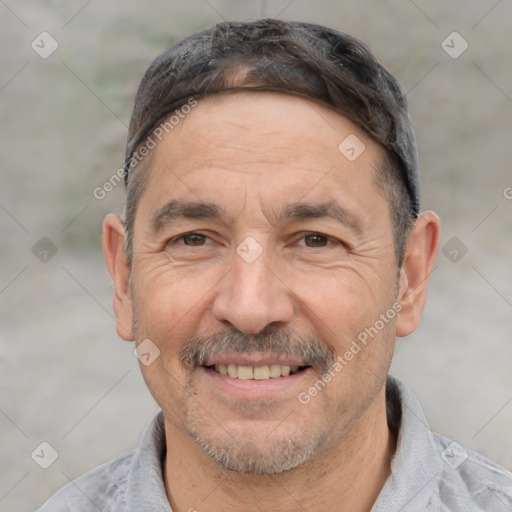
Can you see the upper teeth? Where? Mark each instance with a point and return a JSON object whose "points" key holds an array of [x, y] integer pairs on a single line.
{"points": [[272, 371]]}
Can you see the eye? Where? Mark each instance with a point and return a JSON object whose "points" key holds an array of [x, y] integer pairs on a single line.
{"points": [[194, 246], [315, 240], [192, 239]]}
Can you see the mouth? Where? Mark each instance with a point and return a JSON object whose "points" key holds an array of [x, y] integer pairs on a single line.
{"points": [[265, 372]]}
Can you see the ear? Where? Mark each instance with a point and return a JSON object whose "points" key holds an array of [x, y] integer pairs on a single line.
{"points": [[119, 269], [420, 254]]}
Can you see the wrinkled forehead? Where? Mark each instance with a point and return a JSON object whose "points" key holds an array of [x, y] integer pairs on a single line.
{"points": [[259, 143], [267, 126]]}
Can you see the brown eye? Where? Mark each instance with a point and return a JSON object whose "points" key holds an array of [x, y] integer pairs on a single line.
{"points": [[193, 239], [316, 240]]}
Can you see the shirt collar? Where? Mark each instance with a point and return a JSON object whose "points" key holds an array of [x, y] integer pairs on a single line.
{"points": [[146, 489], [417, 464]]}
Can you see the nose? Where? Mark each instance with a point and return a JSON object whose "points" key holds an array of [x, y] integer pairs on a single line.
{"points": [[252, 296]]}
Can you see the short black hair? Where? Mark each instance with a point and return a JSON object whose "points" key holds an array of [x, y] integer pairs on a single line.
{"points": [[304, 59]]}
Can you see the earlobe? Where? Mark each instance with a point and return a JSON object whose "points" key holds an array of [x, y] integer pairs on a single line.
{"points": [[420, 255], [119, 269]]}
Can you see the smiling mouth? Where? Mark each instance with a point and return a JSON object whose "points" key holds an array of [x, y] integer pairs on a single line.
{"points": [[272, 371]]}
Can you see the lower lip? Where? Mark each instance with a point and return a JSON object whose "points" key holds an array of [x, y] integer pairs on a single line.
{"points": [[252, 388]]}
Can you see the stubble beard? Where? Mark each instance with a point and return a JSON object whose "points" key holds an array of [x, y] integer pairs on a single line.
{"points": [[255, 450]]}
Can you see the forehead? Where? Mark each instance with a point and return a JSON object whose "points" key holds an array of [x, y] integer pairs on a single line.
{"points": [[267, 123], [262, 144]]}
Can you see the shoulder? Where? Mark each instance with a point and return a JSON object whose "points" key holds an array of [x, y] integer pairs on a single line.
{"points": [[434, 474], [471, 480], [129, 482], [103, 488]]}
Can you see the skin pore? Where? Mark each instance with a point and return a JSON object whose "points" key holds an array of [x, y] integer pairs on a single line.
{"points": [[252, 220]]}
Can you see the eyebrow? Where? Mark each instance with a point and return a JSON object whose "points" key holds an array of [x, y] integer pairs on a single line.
{"points": [[178, 209], [328, 210]]}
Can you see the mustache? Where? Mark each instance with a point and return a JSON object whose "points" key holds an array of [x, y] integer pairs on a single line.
{"points": [[314, 352]]}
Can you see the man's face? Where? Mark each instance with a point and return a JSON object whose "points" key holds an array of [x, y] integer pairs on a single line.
{"points": [[293, 241]]}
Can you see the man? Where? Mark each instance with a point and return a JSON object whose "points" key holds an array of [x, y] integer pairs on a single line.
{"points": [[271, 251]]}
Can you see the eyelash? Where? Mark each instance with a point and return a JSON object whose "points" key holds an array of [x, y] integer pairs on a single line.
{"points": [[189, 234], [327, 238]]}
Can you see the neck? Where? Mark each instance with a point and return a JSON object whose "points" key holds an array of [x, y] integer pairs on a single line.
{"points": [[345, 477]]}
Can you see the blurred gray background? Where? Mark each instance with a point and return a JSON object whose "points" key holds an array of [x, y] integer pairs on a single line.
{"points": [[66, 378]]}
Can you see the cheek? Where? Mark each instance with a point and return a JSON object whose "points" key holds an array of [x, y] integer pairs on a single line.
{"points": [[340, 302], [169, 302], [166, 312], [170, 306]]}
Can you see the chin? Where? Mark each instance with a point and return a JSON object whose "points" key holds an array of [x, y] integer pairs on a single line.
{"points": [[266, 457], [258, 447]]}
